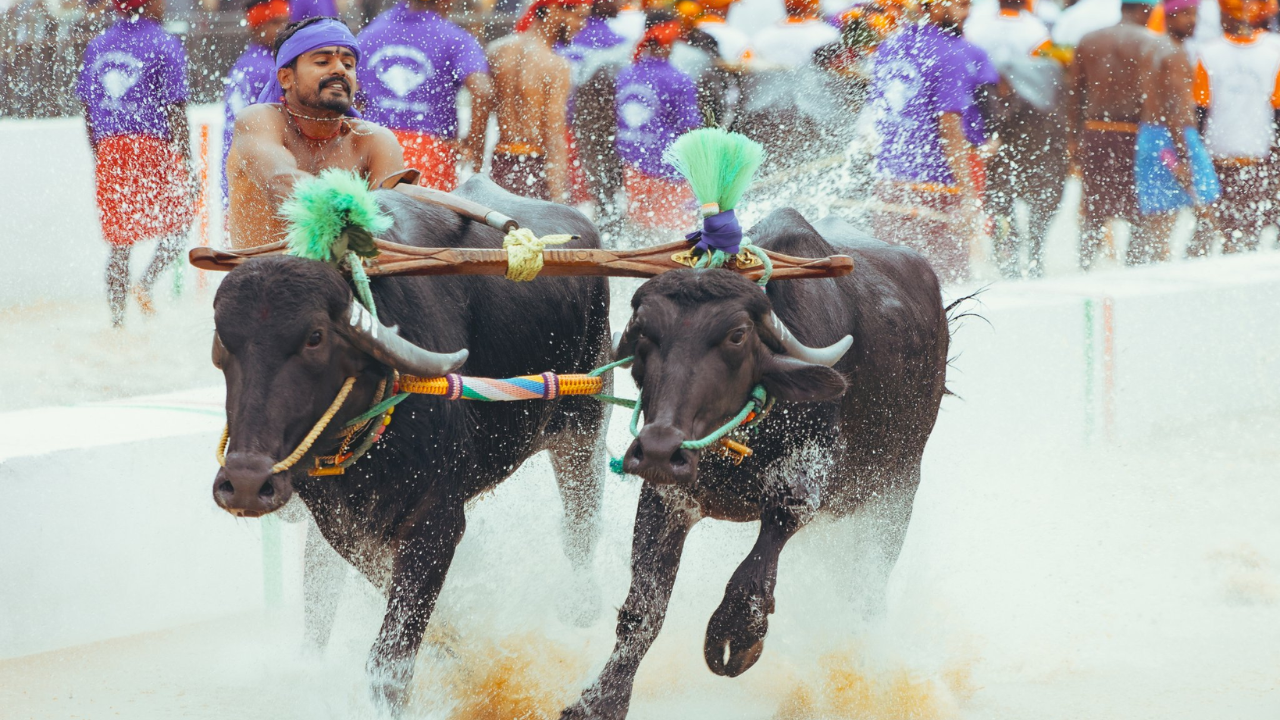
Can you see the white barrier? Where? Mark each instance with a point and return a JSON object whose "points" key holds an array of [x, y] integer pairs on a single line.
{"points": [[108, 528]]}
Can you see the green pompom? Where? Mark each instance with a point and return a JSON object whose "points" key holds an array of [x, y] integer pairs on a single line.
{"points": [[331, 215], [718, 164], [615, 466]]}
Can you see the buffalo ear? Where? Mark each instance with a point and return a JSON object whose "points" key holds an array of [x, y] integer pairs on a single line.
{"points": [[624, 343], [789, 379]]}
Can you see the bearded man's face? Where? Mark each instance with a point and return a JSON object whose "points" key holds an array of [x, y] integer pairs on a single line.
{"points": [[323, 79]]}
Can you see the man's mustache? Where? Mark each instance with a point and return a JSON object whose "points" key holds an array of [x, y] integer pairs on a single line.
{"points": [[346, 84]]}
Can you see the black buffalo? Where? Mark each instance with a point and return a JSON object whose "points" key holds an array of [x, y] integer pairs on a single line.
{"points": [[839, 437], [288, 335]]}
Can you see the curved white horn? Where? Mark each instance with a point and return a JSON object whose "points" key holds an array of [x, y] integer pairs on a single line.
{"points": [[827, 356], [385, 344]]}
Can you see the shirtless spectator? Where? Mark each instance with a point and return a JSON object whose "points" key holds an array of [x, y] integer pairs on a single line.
{"points": [[531, 96], [304, 125], [1114, 69]]}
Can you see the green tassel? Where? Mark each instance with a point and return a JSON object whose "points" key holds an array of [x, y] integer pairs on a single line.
{"points": [[331, 215], [615, 466], [718, 164]]}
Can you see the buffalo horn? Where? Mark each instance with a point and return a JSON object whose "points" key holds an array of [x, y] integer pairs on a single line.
{"points": [[827, 356], [385, 344]]}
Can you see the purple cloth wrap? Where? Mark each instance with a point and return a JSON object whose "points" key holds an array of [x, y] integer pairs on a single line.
{"points": [[326, 33], [719, 232]]}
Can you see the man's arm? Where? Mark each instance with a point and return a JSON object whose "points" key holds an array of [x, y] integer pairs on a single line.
{"points": [[553, 129], [385, 156], [481, 89], [1076, 84], [179, 132], [88, 128], [258, 147], [956, 148]]}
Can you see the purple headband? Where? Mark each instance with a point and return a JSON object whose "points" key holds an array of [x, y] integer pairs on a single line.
{"points": [[719, 232], [1173, 6], [326, 33]]}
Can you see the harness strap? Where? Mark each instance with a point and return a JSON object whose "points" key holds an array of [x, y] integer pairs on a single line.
{"points": [[307, 442]]}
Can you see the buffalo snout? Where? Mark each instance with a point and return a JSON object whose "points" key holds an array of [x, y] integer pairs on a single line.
{"points": [[656, 455], [246, 487]]}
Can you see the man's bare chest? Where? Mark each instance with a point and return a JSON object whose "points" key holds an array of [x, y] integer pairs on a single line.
{"points": [[313, 156]]}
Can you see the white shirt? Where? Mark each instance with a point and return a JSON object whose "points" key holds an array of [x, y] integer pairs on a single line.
{"points": [[791, 44], [1083, 18], [1006, 37], [735, 45], [629, 24], [1244, 93]]}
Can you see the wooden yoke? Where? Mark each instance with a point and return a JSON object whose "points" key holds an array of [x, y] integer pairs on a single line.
{"points": [[398, 259]]}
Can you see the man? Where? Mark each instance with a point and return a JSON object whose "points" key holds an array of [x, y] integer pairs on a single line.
{"points": [[133, 87], [1238, 91], [920, 93], [790, 43], [531, 95], [302, 126], [1114, 70], [415, 63], [1030, 164], [253, 70], [1180, 20], [656, 103]]}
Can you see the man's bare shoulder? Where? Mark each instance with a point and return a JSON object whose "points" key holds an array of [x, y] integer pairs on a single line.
{"points": [[262, 117], [366, 130]]}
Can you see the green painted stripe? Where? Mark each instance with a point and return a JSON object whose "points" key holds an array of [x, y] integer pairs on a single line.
{"points": [[272, 563], [1089, 353]]}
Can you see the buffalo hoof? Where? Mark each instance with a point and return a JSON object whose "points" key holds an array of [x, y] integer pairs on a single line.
{"points": [[599, 704], [580, 605], [735, 635]]}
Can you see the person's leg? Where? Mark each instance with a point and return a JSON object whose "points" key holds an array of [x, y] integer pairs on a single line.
{"points": [[1149, 239], [118, 282], [168, 249]]}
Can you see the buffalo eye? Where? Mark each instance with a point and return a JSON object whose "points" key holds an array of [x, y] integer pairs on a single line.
{"points": [[315, 339], [737, 336]]}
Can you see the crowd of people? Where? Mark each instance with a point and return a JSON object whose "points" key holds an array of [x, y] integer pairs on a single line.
{"points": [[974, 110]]}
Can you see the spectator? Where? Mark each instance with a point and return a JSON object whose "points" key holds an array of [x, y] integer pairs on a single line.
{"points": [[791, 42], [253, 70], [415, 62], [656, 103], [920, 92], [1238, 91], [133, 87]]}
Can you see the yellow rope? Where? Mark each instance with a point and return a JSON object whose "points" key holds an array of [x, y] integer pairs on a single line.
{"points": [[424, 386], [524, 252], [307, 442]]}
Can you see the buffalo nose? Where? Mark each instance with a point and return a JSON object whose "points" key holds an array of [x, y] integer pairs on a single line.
{"points": [[246, 486], [656, 455]]}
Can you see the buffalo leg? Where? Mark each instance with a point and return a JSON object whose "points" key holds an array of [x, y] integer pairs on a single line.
{"points": [[735, 635], [663, 521], [579, 468], [421, 561]]}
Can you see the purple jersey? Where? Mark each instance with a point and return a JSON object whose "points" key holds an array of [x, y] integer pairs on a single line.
{"points": [[919, 74], [656, 103], [131, 74], [981, 72], [413, 63], [303, 9], [251, 73], [595, 35]]}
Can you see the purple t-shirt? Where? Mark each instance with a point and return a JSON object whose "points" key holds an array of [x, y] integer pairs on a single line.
{"points": [[412, 65], [303, 9], [252, 71], [919, 74], [656, 103], [131, 73], [595, 35], [981, 72]]}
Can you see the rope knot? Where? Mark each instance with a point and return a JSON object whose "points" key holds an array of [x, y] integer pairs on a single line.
{"points": [[524, 252]]}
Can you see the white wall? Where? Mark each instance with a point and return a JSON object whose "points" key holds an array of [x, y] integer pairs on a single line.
{"points": [[52, 241]]}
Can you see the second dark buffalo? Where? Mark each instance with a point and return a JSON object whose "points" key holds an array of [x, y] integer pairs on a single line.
{"points": [[840, 438]]}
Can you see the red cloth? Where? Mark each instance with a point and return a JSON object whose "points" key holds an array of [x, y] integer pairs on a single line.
{"points": [[127, 6], [526, 20], [656, 203], [264, 12], [664, 34], [143, 189], [435, 157]]}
